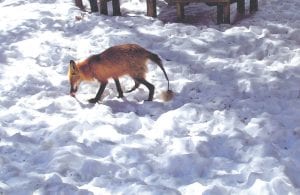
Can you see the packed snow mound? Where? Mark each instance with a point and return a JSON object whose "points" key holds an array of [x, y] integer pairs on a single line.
{"points": [[232, 127]]}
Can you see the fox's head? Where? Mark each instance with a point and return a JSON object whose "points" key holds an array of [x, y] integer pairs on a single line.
{"points": [[74, 78]]}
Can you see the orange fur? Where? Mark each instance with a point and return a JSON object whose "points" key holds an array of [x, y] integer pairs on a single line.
{"points": [[115, 62], [128, 59]]}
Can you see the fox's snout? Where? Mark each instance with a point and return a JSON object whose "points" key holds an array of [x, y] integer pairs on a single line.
{"points": [[72, 94], [73, 91], [74, 78]]}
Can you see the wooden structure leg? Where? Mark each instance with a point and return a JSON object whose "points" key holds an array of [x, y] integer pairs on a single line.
{"points": [[223, 13], [151, 8], [220, 13], [180, 11], [116, 7], [79, 4], [226, 12], [253, 5], [241, 7], [94, 5], [103, 7]]}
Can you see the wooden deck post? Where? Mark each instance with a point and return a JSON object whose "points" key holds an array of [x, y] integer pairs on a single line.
{"points": [[79, 4], [223, 13], [103, 7], [226, 13], [180, 11], [220, 13], [253, 5], [116, 7], [94, 5], [151, 8], [241, 7]]}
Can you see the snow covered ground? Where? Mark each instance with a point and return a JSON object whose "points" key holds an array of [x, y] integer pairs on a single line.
{"points": [[232, 128]]}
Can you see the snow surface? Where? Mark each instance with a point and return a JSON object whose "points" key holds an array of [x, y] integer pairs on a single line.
{"points": [[232, 128]]}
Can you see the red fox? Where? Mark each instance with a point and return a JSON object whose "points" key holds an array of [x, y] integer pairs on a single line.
{"points": [[114, 62]]}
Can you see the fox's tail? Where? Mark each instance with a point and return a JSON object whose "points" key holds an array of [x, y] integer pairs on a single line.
{"points": [[153, 57], [166, 96]]}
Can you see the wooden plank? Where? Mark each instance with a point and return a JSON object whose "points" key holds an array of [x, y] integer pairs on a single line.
{"points": [[116, 7], [94, 5], [201, 1], [103, 7], [151, 8]]}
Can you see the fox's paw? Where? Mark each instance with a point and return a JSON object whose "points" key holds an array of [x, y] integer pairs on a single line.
{"points": [[120, 96], [93, 100]]}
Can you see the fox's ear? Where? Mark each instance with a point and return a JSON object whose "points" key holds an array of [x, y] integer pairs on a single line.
{"points": [[73, 66]]}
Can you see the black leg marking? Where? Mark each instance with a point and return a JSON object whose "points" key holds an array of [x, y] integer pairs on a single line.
{"points": [[99, 93], [119, 88], [136, 85], [149, 86]]}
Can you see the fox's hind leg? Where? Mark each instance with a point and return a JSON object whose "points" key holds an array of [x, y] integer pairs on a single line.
{"points": [[99, 93], [136, 85], [148, 85], [119, 88]]}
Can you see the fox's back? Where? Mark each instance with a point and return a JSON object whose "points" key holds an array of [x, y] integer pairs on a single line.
{"points": [[124, 54], [120, 60]]}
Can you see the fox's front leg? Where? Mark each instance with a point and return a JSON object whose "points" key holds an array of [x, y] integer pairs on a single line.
{"points": [[120, 91], [99, 93]]}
